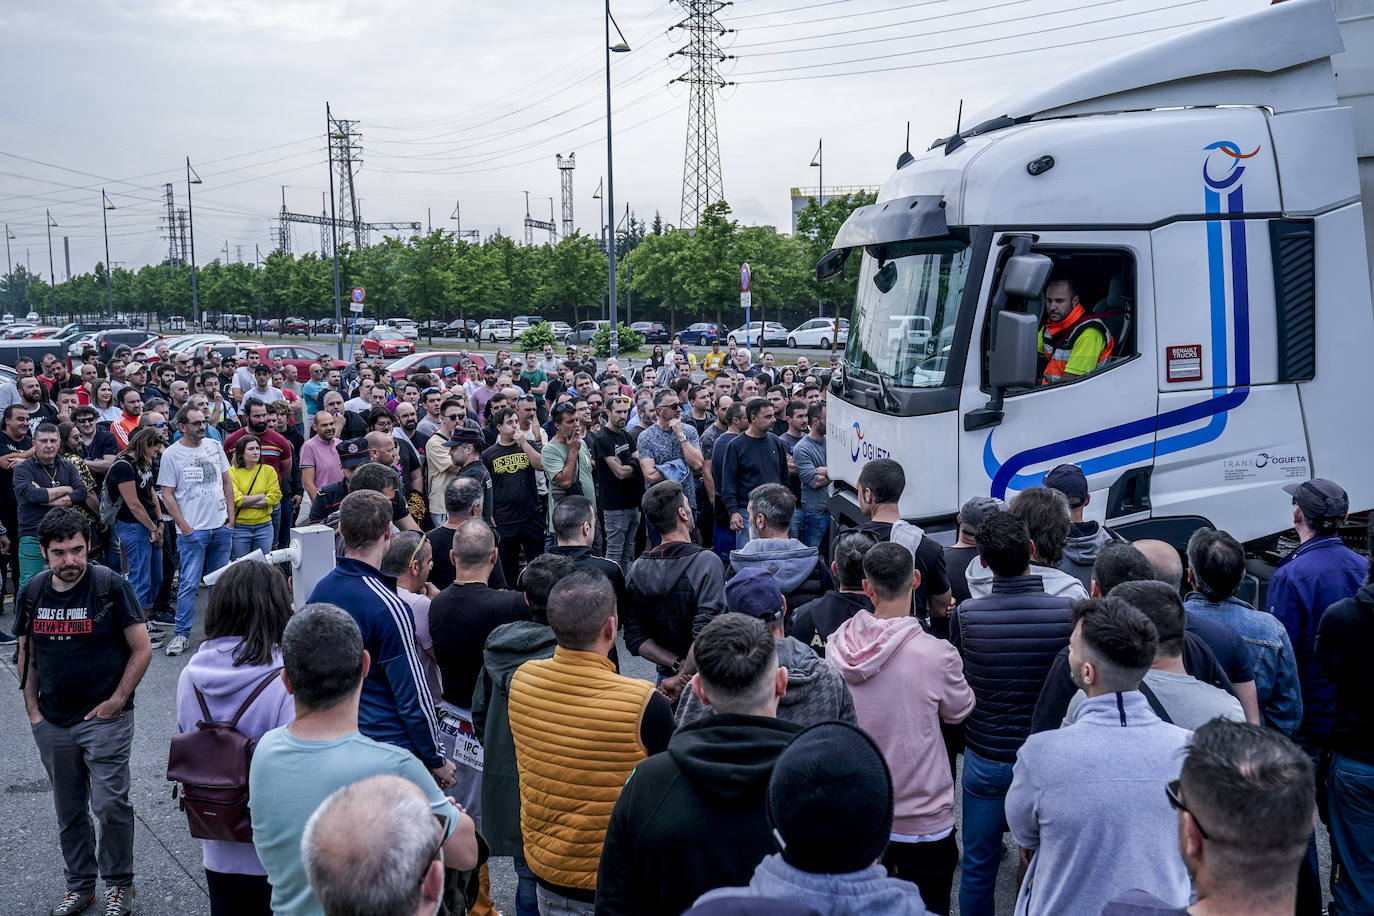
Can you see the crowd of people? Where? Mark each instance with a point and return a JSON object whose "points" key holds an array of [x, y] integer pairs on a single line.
{"points": [[1153, 738]]}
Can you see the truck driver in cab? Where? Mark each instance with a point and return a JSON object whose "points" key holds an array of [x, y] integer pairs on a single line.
{"points": [[1073, 341]]}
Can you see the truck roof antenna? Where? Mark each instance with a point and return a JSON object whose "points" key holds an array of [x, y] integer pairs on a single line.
{"points": [[958, 119], [906, 156]]}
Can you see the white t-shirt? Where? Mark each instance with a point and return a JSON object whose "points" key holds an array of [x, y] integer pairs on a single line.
{"points": [[244, 379], [196, 474], [267, 397]]}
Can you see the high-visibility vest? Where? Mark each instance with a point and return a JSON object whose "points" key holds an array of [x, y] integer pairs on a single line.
{"points": [[1058, 337]]}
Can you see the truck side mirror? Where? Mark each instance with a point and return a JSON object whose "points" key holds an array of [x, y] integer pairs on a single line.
{"points": [[1025, 275], [831, 264], [1013, 361]]}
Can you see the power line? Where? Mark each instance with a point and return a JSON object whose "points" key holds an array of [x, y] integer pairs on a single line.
{"points": [[963, 60]]}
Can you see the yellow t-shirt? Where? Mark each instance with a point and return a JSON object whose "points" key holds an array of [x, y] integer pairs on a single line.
{"points": [[712, 362]]}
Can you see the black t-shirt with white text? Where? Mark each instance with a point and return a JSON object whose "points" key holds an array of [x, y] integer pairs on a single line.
{"points": [[124, 471], [81, 653]]}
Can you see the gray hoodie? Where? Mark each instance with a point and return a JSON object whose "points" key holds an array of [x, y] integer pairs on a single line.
{"points": [[1080, 553], [1055, 581], [858, 893], [1089, 800], [815, 690]]}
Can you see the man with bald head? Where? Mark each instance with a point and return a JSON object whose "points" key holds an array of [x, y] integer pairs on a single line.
{"points": [[1231, 652], [365, 844]]}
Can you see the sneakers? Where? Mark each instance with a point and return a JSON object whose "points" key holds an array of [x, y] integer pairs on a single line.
{"points": [[8, 639], [119, 900], [177, 645], [74, 902], [161, 620], [156, 637]]}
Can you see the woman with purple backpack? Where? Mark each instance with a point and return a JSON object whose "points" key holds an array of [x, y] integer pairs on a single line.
{"points": [[236, 672]]}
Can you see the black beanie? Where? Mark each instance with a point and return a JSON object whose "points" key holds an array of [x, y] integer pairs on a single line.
{"points": [[830, 800]]}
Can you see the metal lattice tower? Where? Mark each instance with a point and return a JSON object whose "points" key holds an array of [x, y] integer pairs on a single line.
{"points": [[285, 218], [173, 249], [702, 182], [183, 221], [565, 171], [283, 226], [346, 150], [532, 224]]}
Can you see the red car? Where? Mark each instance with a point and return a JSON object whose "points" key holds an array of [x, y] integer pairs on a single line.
{"points": [[291, 355], [430, 362], [387, 343]]}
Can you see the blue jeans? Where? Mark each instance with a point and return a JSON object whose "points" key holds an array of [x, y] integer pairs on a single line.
{"points": [[813, 527], [526, 897], [247, 538], [985, 820], [144, 562], [1350, 802], [201, 550]]}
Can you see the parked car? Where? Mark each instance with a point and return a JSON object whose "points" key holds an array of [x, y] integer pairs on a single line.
{"points": [[528, 320], [655, 332], [17, 331], [361, 325], [561, 330], [387, 343], [699, 334], [773, 333], [403, 326], [106, 342], [40, 333], [460, 328], [818, 332], [296, 326], [188, 343], [585, 331], [325, 326], [431, 361], [291, 355], [494, 329]]}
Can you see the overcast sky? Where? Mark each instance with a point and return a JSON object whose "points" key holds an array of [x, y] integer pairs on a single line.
{"points": [[472, 101]]}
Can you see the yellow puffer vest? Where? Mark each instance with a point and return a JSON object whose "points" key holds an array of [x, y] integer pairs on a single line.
{"points": [[575, 723]]}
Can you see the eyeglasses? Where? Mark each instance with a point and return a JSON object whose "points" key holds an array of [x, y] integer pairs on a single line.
{"points": [[436, 852], [416, 555], [675, 405], [85, 419], [1171, 790], [564, 409], [164, 425], [453, 417]]}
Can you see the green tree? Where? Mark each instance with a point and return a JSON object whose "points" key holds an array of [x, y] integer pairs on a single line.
{"points": [[817, 227], [709, 267], [652, 273], [573, 275], [426, 282]]}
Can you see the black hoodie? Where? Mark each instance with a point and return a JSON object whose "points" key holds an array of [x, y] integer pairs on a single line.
{"points": [[1345, 642], [692, 819]]}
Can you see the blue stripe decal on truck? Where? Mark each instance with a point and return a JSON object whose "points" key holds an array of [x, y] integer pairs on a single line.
{"points": [[1005, 476]]}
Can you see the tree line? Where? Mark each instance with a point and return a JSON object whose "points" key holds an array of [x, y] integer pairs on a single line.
{"points": [[674, 276]]}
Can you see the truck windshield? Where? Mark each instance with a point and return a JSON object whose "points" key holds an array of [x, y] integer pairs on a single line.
{"points": [[906, 310]]}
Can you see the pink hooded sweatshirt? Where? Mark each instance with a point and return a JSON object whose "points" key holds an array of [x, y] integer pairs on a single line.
{"points": [[905, 682]]}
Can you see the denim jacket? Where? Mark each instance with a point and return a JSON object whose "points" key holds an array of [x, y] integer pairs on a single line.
{"points": [[1276, 666]]}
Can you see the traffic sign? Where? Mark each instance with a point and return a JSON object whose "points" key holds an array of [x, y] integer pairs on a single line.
{"points": [[745, 300], [356, 307], [358, 294], [745, 276]]}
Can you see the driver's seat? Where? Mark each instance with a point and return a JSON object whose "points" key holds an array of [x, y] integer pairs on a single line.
{"points": [[1115, 311]]}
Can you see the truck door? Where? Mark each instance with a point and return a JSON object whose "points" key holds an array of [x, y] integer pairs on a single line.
{"points": [[1102, 420]]}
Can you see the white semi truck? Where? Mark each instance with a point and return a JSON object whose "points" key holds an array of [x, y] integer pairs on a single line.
{"points": [[1204, 196]]}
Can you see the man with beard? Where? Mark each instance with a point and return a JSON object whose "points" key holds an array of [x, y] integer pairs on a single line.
{"points": [[281, 419], [319, 459], [83, 650], [277, 452], [31, 399]]}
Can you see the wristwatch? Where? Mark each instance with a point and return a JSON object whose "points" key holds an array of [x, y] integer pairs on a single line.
{"points": [[676, 666]]}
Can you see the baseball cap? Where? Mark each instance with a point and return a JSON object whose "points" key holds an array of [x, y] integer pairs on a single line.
{"points": [[465, 435], [1069, 480], [352, 452], [263, 368], [755, 592], [131, 368], [449, 370], [977, 509], [1319, 498]]}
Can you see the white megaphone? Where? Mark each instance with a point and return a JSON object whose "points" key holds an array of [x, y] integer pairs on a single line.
{"points": [[310, 553]]}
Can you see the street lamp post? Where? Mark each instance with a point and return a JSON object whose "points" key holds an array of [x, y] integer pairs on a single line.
{"points": [[52, 272], [105, 222], [9, 276], [820, 202], [191, 222], [620, 48]]}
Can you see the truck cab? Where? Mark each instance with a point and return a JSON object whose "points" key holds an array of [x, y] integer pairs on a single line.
{"points": [[1202, 199]]}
